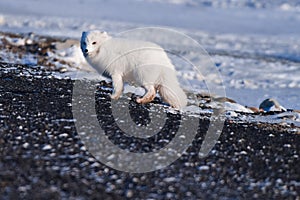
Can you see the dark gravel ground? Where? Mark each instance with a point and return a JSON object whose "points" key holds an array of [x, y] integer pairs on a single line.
{"points": [[42, 156]]}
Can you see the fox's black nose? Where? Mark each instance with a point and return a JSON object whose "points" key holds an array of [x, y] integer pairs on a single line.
{"points": [[86, 50]]}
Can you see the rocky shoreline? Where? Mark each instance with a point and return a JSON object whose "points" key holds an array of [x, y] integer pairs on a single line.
{"points": [[42, 155]]}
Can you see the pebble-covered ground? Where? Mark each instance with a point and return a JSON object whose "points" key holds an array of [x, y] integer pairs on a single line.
{"points": [[42, 156]]}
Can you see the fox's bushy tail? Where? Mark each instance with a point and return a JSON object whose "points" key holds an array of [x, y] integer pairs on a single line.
{"points": [[172, 93]]}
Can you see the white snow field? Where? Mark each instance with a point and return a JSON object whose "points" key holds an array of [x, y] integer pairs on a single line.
{"points": [[254, 44]]}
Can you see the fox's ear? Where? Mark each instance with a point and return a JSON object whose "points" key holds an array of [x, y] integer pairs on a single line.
{"points": [[104, 32]]}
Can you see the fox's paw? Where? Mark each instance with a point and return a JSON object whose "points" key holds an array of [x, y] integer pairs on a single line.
{"points": [[139, 100], [144, 99], [115, 96]]}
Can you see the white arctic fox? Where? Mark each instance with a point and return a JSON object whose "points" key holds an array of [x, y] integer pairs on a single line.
{"points": [[138, 62]]}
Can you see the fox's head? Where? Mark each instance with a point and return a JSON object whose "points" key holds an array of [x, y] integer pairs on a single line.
{"points": [[91, 42]]}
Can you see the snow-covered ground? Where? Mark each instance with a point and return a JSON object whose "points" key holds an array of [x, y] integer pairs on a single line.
{"points": [[255, 44]]}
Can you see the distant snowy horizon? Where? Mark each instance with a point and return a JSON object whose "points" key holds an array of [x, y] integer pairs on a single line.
{"points": [[255, 4], [213, 16]]}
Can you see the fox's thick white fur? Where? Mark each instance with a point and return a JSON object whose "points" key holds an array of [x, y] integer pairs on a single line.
{"points": [[138, 62]]}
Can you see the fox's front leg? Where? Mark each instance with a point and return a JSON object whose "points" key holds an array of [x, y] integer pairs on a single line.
{"points": [[118, 86]]}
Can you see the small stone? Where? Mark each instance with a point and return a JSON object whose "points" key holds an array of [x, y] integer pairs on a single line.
{"points": [[22, 189], [25, 145], [47, 147], [129, 193], [110, 157], [203, 168], [169, 179], [243, 153], [63, 135]]}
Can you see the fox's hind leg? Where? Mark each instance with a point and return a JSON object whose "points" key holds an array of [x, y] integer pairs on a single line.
{"points": [[149, 95]]}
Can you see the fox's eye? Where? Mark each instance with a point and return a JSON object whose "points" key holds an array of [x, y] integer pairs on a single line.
{"points": [[94, 43]]}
